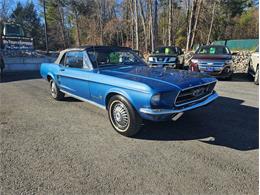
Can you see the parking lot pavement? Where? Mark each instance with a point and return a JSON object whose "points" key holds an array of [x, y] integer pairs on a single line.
{"points": [[70, 147]]}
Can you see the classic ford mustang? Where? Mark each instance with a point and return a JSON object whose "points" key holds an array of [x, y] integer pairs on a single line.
{"points": [[118, 80]]}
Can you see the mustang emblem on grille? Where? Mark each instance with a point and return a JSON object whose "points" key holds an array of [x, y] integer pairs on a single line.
{"points": [[198, 92]]}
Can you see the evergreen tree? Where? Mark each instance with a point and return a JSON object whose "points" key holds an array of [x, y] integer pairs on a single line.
{"points": [[28, 18]]}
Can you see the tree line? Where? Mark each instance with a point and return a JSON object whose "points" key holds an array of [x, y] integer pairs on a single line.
{"points": [[140, 24]]}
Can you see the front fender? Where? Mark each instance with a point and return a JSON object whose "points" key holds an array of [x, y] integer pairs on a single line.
{"points": [[120, 92], [49, 69], [136, 98], [51, 75]]}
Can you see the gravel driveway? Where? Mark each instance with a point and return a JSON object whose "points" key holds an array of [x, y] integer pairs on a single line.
{"points": [[51, 147]]}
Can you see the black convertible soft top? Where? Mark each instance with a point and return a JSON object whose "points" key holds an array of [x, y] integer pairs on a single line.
{"points": [[91, 48]]}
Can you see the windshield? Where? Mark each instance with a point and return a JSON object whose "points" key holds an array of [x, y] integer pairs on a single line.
{"points": [[165, 50], [13, 30], [111, 57], [213, 50]]}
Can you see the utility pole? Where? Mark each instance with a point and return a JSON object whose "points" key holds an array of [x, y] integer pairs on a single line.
{"points": [[45, 27]]}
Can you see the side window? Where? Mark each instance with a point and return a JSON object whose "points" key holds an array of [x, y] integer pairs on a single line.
{"points": [[74, 59], [86, 61], [227, 51], [62, 60]]}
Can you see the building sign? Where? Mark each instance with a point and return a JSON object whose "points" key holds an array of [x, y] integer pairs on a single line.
{"points": [[17, 43]]}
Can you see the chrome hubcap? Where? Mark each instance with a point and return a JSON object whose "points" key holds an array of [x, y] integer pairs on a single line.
{"points": [[119, 115], [53, 89]]}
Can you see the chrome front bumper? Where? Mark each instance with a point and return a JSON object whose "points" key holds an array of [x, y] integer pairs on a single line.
{"points": [[218, 71], [157, 112], [161, 65]]}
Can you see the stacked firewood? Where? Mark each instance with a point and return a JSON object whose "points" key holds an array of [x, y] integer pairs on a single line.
{"points": [[240, 60]]}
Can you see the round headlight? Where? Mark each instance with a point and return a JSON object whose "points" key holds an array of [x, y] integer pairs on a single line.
{"points": [[150, 59], [155, 99]]}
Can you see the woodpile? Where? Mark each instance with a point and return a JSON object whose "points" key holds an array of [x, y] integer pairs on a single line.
{"points": [[240, 60]]}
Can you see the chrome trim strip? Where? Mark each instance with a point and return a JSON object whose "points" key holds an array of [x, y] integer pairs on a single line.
{"points": [[198, 85], [84, 100], [172, 111]]}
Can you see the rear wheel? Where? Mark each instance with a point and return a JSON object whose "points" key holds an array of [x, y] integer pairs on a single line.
{"points": [[55, 91], [123, 116]]}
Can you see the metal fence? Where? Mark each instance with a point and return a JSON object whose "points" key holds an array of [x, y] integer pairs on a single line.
{"points": [[239, 44]]}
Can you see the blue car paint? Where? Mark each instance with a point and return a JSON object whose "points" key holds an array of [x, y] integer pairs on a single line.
{"points": [[137, 83]]}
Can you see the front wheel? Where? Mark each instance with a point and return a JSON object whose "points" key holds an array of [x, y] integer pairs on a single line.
{"points": [[55, 91], [123, 116]]}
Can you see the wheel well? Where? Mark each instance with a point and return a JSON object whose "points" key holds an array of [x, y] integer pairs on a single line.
{"points": [[49, 78], [109, 96]]}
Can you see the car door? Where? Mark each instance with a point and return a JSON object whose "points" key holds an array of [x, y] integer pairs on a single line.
{"points": [[73, 76]]}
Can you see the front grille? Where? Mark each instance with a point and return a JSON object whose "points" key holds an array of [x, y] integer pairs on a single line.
{"points": [[191, 95], [160, 59], [214, 67]]}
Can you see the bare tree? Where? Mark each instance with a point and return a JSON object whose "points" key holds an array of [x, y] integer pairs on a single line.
{"points": [[62, 23], [196, 23], [151, 24], [155, 23], [45, 27], [143, 23], [100, 4], [136, 26], [4, 10], [191, 24], [170, 22], [212, 20]]}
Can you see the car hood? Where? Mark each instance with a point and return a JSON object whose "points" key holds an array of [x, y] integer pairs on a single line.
{"points": [[212, 57], [158, 78]]}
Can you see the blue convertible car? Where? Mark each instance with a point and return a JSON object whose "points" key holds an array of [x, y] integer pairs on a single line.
{"points": [[118, 80]]}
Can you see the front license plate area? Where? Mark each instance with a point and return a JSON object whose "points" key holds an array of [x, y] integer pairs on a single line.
{"points": [[209, 69]]}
